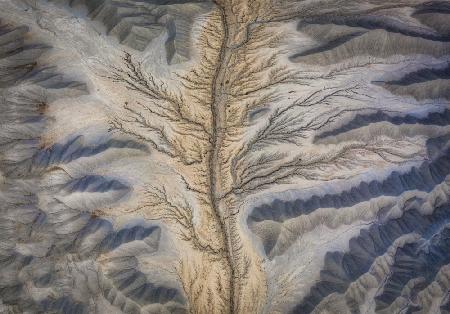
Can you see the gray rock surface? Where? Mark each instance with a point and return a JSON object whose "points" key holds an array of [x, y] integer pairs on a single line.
{"points": [[135, 23], [224, 157]]}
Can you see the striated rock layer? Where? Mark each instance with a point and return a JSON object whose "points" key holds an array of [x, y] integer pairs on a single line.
{"points": [[227, 156]]}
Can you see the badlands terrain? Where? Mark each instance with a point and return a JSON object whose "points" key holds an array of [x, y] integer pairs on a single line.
{"points": [[226, 156]]}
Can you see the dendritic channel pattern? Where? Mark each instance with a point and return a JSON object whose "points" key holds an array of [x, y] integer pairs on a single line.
{"points": [[226, 156]]}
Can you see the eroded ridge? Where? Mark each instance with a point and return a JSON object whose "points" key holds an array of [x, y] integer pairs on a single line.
{"points": [[58, 255], [297, 163], [137, 23]]}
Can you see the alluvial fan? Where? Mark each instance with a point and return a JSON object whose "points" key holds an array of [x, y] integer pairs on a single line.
{"points": [[224, 156]]}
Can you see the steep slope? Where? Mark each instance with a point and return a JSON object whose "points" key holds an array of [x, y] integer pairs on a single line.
{"points": [[296, 161], [137, 23]]}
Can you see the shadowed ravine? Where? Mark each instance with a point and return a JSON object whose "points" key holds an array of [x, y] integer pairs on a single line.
{"points": [[226, 156]]}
